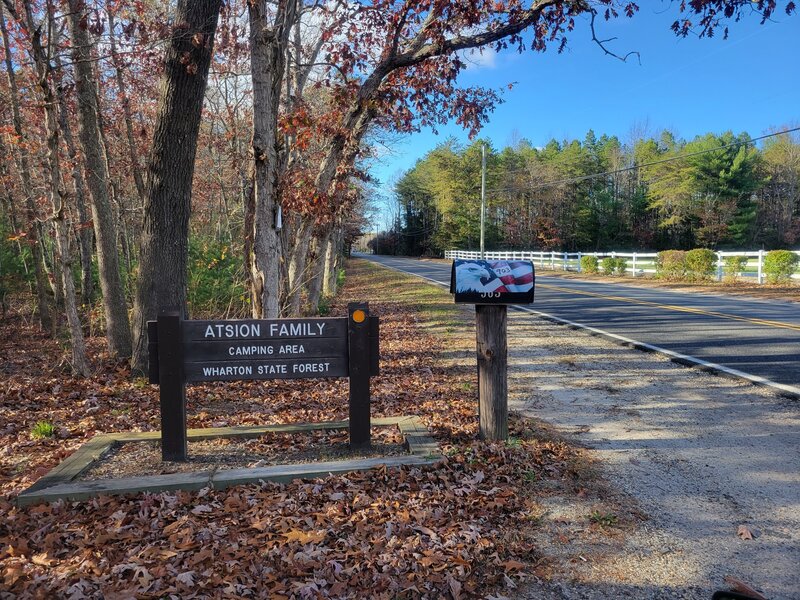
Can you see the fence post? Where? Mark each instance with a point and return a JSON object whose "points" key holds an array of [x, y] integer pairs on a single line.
{"points": [[552, 260], [760, 266], [719, 266], [579, 262], [565, 262], [633, 265]]}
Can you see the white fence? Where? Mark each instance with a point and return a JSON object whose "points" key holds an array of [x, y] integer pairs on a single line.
{"points": [[638, 263]]}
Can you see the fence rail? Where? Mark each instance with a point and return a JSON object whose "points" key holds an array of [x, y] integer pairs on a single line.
{"points": [[638, 263]]}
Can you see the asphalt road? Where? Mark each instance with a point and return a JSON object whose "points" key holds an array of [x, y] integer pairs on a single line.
{"points": [[760, 338]]}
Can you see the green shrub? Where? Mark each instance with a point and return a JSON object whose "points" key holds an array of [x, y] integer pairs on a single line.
{"points": [[700, 263], [13, 257], [733, 266], [609, 265], [43, 429], [780, 265], [589, 264], [324, 306], [621, 267], [217, 285], [671, 264]]}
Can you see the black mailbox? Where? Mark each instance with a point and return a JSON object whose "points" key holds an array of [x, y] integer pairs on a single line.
{"points": [[492, 281]]}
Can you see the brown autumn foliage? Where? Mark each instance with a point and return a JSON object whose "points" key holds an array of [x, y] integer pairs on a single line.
{"points": [[457, 529]]}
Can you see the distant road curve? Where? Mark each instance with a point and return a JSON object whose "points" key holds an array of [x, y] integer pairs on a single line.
{"points": [[758, 340]]}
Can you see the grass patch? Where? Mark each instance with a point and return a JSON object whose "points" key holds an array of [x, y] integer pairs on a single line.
{"points": [[603, 519], [43, 429]]}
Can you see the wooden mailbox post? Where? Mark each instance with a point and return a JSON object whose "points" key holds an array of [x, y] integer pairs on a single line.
{"points": [[183, 351], [491, 286]]}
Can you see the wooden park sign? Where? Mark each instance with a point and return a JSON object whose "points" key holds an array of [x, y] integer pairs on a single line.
{"points": [[185, 351]]}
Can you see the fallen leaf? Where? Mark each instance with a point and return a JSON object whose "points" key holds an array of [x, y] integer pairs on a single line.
{"points": [[305, 537], [744, 532], [186, 578], [41, 559], [512, 565], [455, 587]]}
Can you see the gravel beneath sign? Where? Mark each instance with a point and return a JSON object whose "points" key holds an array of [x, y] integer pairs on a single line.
{"points": [[711, 462], [136, 459]]}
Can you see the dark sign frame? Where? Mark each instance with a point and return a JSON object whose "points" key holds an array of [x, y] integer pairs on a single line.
{"points": [[189, 351]]}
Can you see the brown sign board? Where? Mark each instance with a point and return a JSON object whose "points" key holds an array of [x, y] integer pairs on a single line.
{"points": [[183, 351]]}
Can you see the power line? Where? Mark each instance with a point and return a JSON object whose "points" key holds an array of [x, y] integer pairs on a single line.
{"points": [[650, 164]]}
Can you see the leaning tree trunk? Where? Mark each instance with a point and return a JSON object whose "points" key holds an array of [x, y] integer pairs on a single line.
{"points": [[165, 233], [39, 271], [118, 329], [267, 60]]}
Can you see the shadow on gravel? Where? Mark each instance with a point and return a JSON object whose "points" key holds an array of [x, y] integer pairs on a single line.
{"points": [[604, 591]]}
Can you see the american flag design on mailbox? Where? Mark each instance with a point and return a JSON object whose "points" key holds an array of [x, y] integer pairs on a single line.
{"points": [[492, 281]]}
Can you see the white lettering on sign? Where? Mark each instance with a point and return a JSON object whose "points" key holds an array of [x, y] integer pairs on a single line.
{"points": [[227, 371], [250, 350], [231, 330], [292, 349], [305, 329], [279, 369], [311, 367]]}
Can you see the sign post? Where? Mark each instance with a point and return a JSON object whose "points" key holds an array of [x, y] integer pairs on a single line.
{"points": [[359, 351], [491, 286], [184, 352], [172, 387], [492, 349]]}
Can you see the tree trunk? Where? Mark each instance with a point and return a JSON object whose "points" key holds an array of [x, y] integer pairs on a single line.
{"points": [[267, 60], [62, 257], [84, 232], [40, 273], [319, 261], [299, 267], [329, 273], [118, 329], [165, 234], [126, 109]]}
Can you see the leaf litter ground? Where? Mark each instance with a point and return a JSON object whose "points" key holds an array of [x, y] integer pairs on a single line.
{"points": [[464, 528]]}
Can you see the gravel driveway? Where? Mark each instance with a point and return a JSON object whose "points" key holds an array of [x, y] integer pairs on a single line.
{"points": [[708, 460]]}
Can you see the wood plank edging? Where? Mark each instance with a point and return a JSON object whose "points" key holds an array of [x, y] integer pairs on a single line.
{"points": [[58, 482]]}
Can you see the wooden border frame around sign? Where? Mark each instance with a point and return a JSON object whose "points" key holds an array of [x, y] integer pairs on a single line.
{"points": [[60, 484]]}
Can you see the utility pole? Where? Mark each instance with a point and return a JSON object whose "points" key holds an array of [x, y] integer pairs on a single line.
{"points": [[483, 199]]}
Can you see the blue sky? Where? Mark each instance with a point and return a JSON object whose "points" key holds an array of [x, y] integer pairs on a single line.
{"points": [[750, 82]]}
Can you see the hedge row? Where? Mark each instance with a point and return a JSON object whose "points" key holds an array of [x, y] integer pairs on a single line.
{"points": [[699, 265]]}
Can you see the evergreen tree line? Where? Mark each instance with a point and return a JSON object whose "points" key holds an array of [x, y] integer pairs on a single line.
{"points": [[719, 191]]}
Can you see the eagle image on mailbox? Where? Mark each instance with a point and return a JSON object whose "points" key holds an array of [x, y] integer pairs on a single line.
{"points": [[492, 281]]}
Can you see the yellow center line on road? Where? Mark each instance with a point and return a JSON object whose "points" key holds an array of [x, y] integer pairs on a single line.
{"points": [[686, 309]]}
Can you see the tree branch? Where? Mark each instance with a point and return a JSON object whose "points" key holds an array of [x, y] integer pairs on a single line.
{"points": [[602, 43]]}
